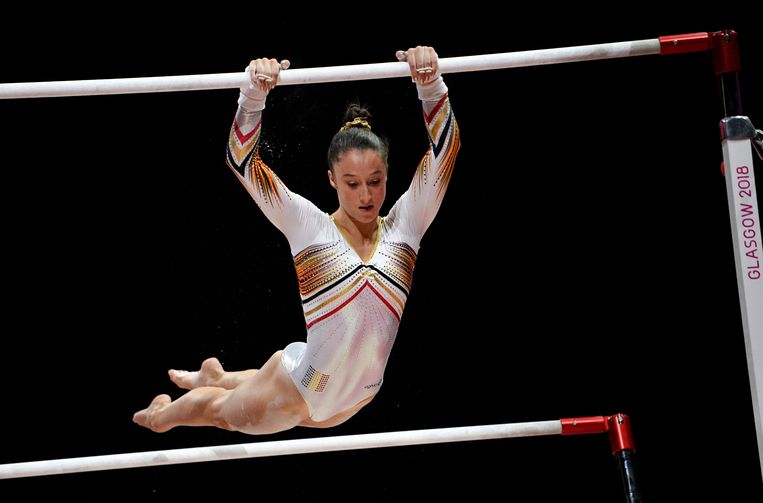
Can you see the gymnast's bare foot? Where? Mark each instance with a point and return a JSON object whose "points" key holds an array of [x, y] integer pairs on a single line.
{"points": [[210, 374], [149, 417]]}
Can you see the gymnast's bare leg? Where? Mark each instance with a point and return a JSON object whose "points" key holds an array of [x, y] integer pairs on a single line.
{"points": [[264, 401]]}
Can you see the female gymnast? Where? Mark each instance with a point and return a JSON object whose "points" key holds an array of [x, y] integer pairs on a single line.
{"points": [[354, 269]]}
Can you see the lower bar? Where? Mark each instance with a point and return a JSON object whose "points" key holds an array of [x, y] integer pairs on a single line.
{"points": [[278, 448]]}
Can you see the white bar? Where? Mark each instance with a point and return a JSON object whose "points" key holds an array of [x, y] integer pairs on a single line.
{"points": [[748, 244], [278, 448], [328, 74]]}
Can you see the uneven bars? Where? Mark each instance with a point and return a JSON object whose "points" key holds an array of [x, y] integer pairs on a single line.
{"points": [[284, 447], [330, 73]]}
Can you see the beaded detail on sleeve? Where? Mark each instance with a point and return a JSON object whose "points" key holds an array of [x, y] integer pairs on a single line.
{"points": [[244, 158], [436, 167]]}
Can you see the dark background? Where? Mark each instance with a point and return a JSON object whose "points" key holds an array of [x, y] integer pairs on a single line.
{"points": [[581, 263]]}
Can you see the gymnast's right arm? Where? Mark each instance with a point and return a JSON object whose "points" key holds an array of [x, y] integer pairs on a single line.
{"points": [[285, 209]]}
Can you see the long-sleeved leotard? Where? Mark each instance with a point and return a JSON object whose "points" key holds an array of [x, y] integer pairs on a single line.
{"points": [[352, 308]]}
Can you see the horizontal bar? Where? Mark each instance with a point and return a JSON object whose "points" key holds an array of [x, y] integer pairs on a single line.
{"points": [[328, 74], [278, 448]]}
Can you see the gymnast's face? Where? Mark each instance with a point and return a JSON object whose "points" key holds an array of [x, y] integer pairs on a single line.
{"points": [[360, 180]]}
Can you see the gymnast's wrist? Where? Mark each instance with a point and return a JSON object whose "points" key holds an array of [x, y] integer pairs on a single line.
{"points": [[251, 103], [251, 97], [432, 91]]}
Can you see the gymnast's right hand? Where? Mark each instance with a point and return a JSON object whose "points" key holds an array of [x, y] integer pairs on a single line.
{"points": [[263, 76], [264, 72]]}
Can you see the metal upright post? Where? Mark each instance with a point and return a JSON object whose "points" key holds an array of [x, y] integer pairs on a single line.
{"points": [[737, 136], [620, 437]]}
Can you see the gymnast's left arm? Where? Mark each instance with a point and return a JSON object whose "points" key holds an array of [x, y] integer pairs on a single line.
{"points": [[422, 200]]}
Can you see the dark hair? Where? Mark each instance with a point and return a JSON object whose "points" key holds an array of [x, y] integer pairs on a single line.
{"points": [[356, 134]]}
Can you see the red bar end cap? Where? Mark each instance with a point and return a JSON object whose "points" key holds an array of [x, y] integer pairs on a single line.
{"points": [[584, 425], [690, 42]]}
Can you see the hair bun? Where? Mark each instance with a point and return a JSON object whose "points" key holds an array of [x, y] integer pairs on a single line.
{"points": [[356, 122], [356, 116]]}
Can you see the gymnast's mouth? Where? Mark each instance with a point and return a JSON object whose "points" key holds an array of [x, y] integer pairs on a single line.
{"points": [[366, 208]]}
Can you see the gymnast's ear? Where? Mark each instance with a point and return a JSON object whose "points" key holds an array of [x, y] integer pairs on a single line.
{"points": [[331, 178]]}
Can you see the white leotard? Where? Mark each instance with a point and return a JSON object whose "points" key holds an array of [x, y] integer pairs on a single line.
{"points": [[352, 308]]}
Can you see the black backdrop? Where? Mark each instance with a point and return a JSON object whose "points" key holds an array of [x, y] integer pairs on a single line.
{"points": [[581, 263]]}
